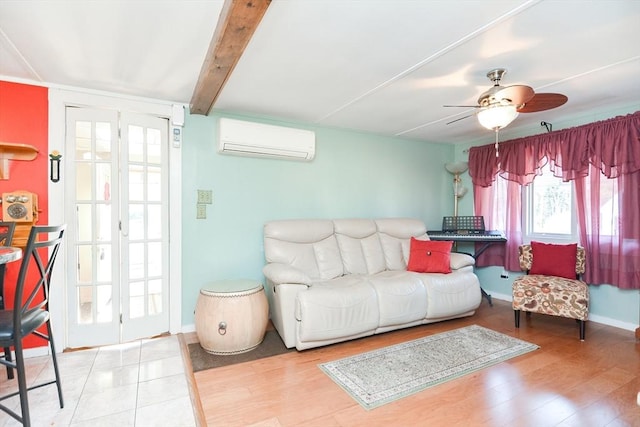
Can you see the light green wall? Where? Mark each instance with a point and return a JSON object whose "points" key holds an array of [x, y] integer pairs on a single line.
{"points": [[353, 175]]}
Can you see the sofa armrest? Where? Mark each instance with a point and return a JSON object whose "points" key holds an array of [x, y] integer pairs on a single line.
{"points": [[460, 260], [283, 273]]}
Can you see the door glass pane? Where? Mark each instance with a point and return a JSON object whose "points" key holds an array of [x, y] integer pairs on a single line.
{"points": [[103, 141], [85, 265], [83, 181], [136, 260], [103, 181], [136, 144], [154, 180], [136, 183], [136, 222], [104, 304], [84, 226], [154, 221], [155, 259], [103, 222], [85, 305], [83, 140], [136, 299], [103, 262], [154, 153], [155, 297]]}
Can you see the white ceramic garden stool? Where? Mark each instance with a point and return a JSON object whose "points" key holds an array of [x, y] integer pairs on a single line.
{"points": [[231, 316]]}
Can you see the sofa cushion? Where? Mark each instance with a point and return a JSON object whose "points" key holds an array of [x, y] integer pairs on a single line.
{"points": [[345, 306], [359, 246], [402, 297], [308, 245], [394, 236], [450, 295], [427, 256]]}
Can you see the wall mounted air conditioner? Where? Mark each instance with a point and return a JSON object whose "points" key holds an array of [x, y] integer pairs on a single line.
{"points": [[243, 138]]}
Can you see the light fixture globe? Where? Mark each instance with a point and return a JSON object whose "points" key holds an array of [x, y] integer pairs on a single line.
{"points": [[457, 168], [497, 116]]}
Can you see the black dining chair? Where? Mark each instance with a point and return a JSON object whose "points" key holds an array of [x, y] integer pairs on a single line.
{"points": [[31, 311], [6, 237]]}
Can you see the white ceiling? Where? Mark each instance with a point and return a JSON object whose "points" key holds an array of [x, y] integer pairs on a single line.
{"points": [[381, 66]]}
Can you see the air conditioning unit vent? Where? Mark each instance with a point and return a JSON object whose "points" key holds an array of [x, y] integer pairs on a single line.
{"points": [[242, 138]]}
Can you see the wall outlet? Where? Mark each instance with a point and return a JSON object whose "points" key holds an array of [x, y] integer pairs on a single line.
{"points": [[205, 196], [201, 211]]}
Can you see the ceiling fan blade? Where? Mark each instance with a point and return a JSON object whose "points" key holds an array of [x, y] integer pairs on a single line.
{"points": [[516, 94], [542, 102], [461, 118]]}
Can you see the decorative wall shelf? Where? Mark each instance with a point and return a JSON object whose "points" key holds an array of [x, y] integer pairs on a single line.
{"points": [[14, 151]]}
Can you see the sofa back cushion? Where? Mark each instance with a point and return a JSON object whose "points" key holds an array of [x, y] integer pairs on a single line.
{"points": [[307, 244], [325, 249], [359, 246], [395, 235]]}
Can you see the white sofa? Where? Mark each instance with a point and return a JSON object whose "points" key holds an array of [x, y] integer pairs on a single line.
{"points": [[335, 280]]}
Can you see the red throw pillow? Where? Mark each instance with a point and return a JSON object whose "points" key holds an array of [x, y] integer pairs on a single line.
{"points": [[554, 260], [429, 256]]}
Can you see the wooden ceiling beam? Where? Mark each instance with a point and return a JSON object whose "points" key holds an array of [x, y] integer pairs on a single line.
{"points": [[238, 21]]}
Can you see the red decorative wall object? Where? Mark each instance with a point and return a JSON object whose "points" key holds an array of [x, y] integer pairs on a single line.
{"points": [[24, 119]]}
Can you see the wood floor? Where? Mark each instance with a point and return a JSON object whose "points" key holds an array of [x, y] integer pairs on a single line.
{"points": [[564, 383]]}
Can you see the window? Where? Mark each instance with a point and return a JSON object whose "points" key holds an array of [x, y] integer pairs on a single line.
{"points": [[549, 209]]}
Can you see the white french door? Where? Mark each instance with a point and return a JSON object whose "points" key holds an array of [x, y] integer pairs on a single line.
{"points": [[117, 240]]}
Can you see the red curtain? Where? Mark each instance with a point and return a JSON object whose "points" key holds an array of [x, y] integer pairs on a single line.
{"points": [[601, 153]]}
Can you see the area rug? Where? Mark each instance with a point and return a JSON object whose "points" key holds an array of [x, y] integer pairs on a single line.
{"points": [[390, 373], [272, 345]]}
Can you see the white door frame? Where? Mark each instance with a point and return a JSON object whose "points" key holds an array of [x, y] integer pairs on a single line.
{"points": [[59, 100]]}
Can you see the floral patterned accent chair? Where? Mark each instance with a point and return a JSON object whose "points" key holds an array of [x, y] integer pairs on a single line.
{"points": [[552, 284]]}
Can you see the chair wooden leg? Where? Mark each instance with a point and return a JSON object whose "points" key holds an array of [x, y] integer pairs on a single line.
{"points": [[517, 317], [582, 329]]}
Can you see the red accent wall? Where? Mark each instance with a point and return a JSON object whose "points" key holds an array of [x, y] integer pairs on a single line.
{"points": [[24, 118]]}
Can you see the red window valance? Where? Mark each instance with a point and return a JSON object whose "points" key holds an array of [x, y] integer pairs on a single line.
{"points": [[612, 146]]}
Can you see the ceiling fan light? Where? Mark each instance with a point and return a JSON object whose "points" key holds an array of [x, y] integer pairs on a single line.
{"points": [[497, 116]]}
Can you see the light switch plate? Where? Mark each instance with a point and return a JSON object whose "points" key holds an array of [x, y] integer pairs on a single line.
{"points": [[201, 211], [205, 196]]}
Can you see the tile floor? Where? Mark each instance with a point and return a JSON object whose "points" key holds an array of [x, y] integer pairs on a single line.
{"points": [[142, 383]]}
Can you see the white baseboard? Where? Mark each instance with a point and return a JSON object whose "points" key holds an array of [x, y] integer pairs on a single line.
{"points": [[188, 328], [592, 317]]}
